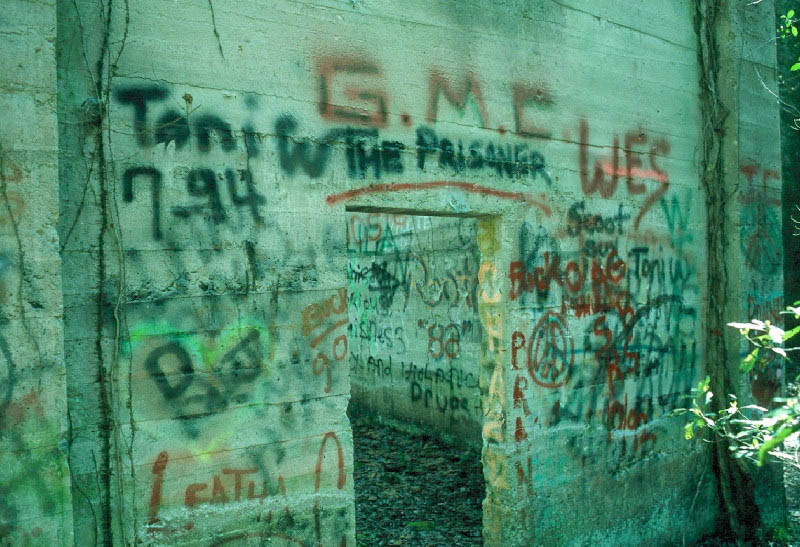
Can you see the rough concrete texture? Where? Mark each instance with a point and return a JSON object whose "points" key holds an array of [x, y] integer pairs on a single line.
{"points": [[229, 175], [758, 257], [756, 260], [35, 506]]}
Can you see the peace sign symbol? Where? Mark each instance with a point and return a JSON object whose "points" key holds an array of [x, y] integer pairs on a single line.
{"points": [[550, 352]]}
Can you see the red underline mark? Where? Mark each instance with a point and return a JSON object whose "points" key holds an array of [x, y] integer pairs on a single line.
{"points": [[466, 186], [635, 173]]}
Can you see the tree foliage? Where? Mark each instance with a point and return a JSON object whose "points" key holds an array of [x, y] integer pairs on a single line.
{"points": [[753, 432]]}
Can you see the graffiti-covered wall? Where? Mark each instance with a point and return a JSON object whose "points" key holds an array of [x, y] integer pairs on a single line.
{"points": [[490, 220], [759, 236], [413, 322], [35, 497]]}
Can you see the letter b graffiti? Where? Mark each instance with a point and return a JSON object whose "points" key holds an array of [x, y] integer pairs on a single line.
{"points": [[185, 369]]}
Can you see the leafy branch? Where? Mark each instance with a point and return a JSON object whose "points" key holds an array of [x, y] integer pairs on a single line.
{"points": [[787, 28], [753, 432]]}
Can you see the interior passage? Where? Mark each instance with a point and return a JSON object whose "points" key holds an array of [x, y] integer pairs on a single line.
{"points": [[416, 408]]}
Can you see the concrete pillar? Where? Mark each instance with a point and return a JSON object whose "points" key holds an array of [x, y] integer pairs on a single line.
{"points": [[35, 497]]}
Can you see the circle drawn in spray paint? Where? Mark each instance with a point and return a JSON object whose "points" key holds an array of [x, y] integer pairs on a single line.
{"points": [[550, 352]]}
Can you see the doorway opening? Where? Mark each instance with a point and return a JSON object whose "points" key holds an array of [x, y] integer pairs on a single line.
{"points": [[414, 339]]}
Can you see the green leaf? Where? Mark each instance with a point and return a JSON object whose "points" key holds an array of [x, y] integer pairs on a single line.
{"points": [[790, 14], [773, 443], [749, 362], [794, 67], [793, 309], [790, 333], [688, 431]]}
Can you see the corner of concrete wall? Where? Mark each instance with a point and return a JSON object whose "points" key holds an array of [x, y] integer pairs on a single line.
{"points": [[759, 226], [35, 495], [746, 236], [195, 296]]}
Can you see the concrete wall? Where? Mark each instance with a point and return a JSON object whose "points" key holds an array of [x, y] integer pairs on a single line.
{"points": [[756, 261], [757, 253], [189, 282], [35, 505], [229, 175]]}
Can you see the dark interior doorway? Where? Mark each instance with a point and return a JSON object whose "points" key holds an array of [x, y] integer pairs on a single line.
{"points": [[414, 341]]}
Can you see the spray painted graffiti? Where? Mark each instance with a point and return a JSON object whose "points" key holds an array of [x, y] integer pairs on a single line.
{"points": [[760, 223], [611, 323], [414, 279], [197, 374], [352, 91], [550, 352], [603, 330], [321, 321], [235, 486]]}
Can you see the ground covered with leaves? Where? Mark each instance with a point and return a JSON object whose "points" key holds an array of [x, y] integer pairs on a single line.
{"points": [[413, 489]]}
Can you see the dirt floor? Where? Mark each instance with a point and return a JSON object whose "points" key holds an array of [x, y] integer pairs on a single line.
{"points": [[414, 490]]}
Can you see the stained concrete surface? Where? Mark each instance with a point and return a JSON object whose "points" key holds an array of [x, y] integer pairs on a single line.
{"points": [[174, 258]]}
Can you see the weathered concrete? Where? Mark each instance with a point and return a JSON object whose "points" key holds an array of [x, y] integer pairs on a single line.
{"points": [[751, 191], [228, 185], [34, 478]]}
